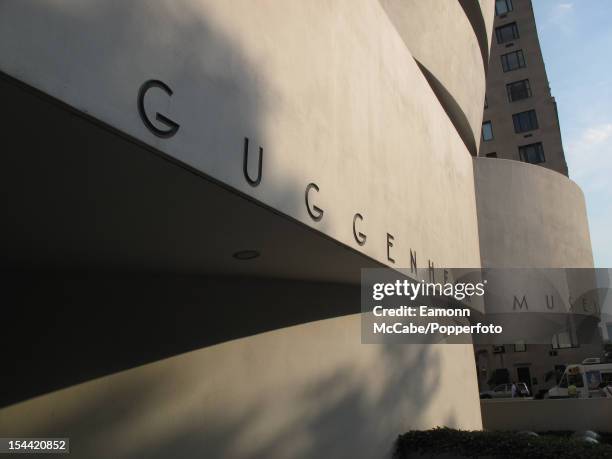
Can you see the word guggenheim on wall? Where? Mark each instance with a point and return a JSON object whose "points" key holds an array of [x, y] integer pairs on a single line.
{"points": [[316, 213]]}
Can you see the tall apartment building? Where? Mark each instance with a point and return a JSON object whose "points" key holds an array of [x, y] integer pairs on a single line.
{"points": [[520, 122], [520, 119]]}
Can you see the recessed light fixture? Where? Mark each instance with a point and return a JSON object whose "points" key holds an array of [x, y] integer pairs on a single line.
{"points": [[246, 254]]}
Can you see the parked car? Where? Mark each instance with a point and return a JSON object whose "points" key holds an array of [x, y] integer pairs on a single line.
{"points": [[505, 391]]}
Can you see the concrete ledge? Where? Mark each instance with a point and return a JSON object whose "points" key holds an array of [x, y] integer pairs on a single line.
{"points": [[530, 216], [448, 43]]}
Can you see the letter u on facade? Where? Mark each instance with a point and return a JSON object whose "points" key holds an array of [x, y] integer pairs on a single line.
{"points": [[245, 164]]}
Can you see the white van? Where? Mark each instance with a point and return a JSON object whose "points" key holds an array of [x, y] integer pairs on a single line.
{"points": [[586, 378]]}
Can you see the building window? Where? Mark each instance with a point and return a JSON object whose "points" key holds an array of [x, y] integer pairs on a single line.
{"points": [[534, 154], [520, 346], [512, 61], [491, 155], [503, 7], [562, 340], [525, 121], [507, 33], [487, 131], [500, 350], [518, 90]]}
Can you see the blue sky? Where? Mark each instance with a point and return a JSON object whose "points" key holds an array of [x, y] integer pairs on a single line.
{"points": [[576, 39]]}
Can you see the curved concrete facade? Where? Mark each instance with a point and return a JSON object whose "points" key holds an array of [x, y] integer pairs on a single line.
{"points": [[330, 92], [488, 11], [305, 391], [529, 216], [450, 42], [365, 114], [347, 122], [533, 217]]}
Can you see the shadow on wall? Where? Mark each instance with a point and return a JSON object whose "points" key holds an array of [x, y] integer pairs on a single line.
{"points": [[352, 407], [457, 116], [65, 327], [231, 101], [333, 395], [79, 203]]}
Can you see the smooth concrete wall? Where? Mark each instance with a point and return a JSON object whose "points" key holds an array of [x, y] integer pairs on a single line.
{"points": [[544, 415], [441, 38], [328, 89], [529, 216], [532, 217], [488, 13], [305, 391], [333, 95]]}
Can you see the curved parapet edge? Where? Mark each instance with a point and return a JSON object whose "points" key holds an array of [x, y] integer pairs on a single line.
{"points": [[476, 14], [529, 216], [449, 41]]}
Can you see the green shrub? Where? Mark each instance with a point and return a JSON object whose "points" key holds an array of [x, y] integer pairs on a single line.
{"points": [[459, 443]]}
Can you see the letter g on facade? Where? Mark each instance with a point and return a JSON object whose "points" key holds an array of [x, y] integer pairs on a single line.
{"points": [[171, 126]]}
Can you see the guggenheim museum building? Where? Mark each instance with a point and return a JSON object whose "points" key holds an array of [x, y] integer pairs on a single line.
{"points": [[189, 191]]}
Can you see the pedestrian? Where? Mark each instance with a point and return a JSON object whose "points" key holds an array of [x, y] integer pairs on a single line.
{"points": [[514, 389]]}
